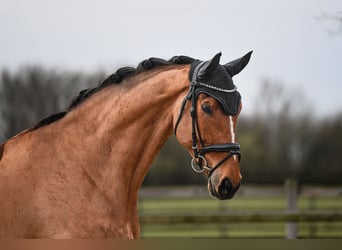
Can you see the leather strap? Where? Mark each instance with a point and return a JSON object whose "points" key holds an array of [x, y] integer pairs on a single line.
{"points": [[220, 148]]}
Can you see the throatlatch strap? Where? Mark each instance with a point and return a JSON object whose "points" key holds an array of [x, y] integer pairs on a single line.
{"points": [[180, 114]]}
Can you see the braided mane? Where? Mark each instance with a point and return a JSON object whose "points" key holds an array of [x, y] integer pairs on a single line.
{"points": [[116, 78]]}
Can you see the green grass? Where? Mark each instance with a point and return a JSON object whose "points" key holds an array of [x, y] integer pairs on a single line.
{"points": [[210, 204], [241, 230], [238, 230]]}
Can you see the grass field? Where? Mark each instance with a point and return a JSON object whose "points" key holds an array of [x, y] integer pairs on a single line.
{"points": [[157, 206]]}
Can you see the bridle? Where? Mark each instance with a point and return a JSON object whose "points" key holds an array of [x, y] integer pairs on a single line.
{"points": [[199, 154]]}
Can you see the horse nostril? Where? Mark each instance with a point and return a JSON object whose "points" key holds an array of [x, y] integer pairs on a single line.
{"points": [[225, 188]]}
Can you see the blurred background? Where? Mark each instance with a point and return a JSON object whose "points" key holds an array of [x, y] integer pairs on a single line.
{"points": [[290, 129]]}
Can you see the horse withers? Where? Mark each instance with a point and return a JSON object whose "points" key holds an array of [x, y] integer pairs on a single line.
{"points": [[76, 174]]}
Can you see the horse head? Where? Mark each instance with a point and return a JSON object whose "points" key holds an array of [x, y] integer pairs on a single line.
{"points": [[206, 123]]}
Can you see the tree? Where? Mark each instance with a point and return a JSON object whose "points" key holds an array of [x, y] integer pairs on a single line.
{"points": [[33, 93], [277, 137], [323, 159], [334, 19]]}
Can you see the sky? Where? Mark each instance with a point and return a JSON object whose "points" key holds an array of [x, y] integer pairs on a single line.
{"points": [[291, 41]]}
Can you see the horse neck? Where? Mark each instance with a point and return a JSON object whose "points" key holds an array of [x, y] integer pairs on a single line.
{"points": [[124, 126]]}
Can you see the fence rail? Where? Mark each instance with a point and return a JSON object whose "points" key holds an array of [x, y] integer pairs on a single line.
{"points": [[245, 190], [243, 217]]}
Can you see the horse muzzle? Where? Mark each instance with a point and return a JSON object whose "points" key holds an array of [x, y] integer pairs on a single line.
{"points": [[224, 191]]}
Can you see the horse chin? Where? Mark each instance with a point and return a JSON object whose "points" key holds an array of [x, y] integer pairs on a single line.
{"points": [[212, 191]]}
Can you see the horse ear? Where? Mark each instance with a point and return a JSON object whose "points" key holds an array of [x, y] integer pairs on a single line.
{"points": [[235, 67], [209, 66]]}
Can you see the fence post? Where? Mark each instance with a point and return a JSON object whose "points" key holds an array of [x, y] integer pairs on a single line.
{"points": [[312, 225], [291, 191]]}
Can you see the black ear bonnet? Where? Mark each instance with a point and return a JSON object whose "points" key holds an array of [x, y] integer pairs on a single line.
{"points": [[220, 79]]}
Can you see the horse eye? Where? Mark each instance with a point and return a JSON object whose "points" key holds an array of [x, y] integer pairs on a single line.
{"points": [[207, 109]]}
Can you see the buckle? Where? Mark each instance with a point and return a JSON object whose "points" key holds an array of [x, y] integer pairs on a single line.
{"points": [[196, 167]]}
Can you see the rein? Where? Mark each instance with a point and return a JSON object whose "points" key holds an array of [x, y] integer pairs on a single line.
{"points": [[199, 163]]}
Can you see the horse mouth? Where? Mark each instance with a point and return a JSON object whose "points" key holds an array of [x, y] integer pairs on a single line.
{"points": [[222, 194]]}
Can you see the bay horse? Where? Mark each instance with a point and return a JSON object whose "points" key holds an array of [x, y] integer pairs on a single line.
{"points": [[76, 174]]}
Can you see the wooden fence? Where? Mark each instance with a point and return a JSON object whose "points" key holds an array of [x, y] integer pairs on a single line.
{"points": [[290, 216]]}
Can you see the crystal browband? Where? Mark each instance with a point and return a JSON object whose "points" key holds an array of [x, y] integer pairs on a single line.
{"points": [[218, 89]]}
